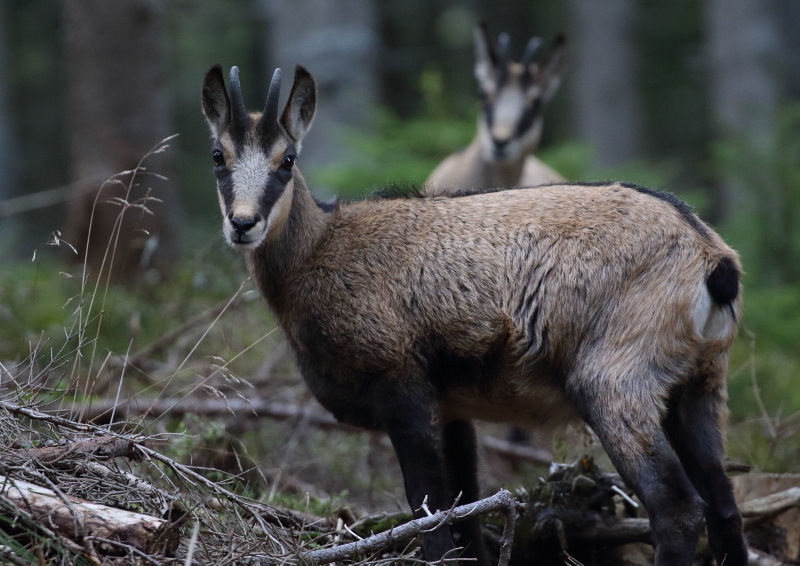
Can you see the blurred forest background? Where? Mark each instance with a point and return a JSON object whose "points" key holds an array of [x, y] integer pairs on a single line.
{"points": [[697, 97]]}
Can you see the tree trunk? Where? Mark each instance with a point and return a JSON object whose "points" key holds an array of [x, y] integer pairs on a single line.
{"points": [[8, 177], [602, 72], [788, 12], [337, 42], [743, 45], [118, 109]]}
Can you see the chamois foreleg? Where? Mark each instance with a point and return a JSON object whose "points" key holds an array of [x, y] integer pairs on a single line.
{"points": [[461, 461], [693, 425], [629, 427], [411, 419]]}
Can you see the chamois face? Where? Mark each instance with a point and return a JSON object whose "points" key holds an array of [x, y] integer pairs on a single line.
{"points": [[513, 94], [254, 154]]}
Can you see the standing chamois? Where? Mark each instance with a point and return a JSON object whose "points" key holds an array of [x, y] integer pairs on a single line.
{"points": [[513, 98], [609, 303]]}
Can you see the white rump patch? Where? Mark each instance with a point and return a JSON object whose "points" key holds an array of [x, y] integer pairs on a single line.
{"points": [[710, 321]]}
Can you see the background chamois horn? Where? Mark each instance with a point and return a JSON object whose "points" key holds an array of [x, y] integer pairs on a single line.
{"points": [[530, 50], [503, 43], [269, 119], [239, 117]]}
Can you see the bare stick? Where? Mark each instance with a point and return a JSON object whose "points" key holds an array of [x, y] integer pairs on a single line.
{"points": [[501, 501]]}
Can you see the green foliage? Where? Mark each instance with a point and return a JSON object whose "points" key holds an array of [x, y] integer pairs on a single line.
{"points": [[402, 152], [766, 198], [324, 507]]}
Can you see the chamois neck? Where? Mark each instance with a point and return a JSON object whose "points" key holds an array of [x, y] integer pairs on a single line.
{"points": [[493, 173], [276, 260]]}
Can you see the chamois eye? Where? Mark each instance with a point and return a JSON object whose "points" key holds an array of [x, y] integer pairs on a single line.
{"points": [[218, 158], [288, 162]]}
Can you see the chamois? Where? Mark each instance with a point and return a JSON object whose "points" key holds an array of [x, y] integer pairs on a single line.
{"points": [[609, 303], [513, 98]]}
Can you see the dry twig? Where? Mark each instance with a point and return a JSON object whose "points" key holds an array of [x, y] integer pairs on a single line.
{"points": [[501, 501]]}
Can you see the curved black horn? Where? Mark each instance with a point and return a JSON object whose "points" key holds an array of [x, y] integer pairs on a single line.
{"points": [[269, 119], [530, 50], [503, 42], [239, 117]]}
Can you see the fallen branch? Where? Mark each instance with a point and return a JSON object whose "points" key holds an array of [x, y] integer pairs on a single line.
{"points": [[142, 532], [517, 451], [207, 407], [99, 447], [260, 408], [623, 531], [770, 505], [501, 501]]}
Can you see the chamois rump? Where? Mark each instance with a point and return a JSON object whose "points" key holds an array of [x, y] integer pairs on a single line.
{"points": [[513, 99], [609, 303]]}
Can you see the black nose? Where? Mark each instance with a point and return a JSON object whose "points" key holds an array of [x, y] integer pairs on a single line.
{"points": [[500, 144], [242, 225]]}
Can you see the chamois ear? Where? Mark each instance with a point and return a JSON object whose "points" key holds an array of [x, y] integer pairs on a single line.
{"points": [[216, 104], [299, 111], [550, 67], [485, 59]]}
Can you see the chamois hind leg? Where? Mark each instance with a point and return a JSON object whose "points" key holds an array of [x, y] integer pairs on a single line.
{"points": [[694, 427], [410, 416], [461, 461], [624, 415]]}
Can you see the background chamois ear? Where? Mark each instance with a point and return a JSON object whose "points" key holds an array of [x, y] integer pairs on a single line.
{"points": [[216, 104], [551, 65], [485, 59], [299, 111]]}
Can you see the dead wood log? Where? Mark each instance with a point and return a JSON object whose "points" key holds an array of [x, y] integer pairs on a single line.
{"points": [[67, 515], [98, 447], [770, 505], [758, 558], [501, 501]]}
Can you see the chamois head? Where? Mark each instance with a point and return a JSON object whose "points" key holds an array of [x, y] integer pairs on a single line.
{"points": [[513, 94], [254, 154]]}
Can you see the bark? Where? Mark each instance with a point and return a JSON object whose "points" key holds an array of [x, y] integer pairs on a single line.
{"points": [[77, 519], [602, 80], [118, 109]]}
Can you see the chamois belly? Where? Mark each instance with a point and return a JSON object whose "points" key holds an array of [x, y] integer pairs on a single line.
{"points": [[537, 404]]}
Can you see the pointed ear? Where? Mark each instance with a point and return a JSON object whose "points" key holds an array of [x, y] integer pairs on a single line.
{"points": [[299, 111], [216, 104], [485, 59], [549, 69]]}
